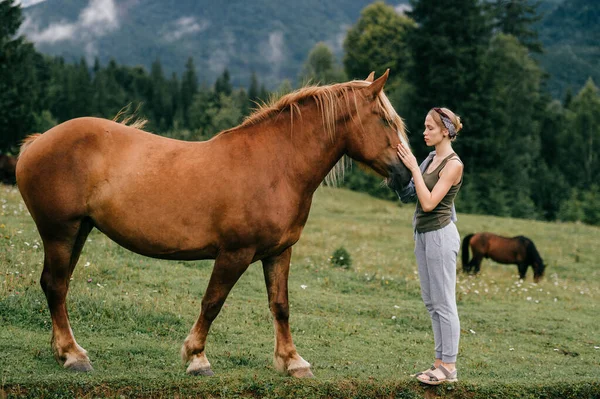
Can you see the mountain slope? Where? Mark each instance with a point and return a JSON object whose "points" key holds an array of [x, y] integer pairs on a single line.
{"points": [[571, 37], [264, 36], [269, 37]]}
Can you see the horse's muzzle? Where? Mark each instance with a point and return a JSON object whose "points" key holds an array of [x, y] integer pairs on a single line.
{"points": [[399, 176]]}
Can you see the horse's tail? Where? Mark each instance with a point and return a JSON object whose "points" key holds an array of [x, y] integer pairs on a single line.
{"points": [[536, 260], [465, 252], [27, 142]]}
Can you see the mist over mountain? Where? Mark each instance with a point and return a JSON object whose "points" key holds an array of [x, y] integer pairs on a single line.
{"points": [[269, 37]]}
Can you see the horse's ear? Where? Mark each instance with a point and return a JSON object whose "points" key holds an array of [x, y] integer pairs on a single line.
{"points": [[371, 77], [376, 87]]}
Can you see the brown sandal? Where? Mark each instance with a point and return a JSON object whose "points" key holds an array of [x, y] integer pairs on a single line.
{"points": [[432, 378]]}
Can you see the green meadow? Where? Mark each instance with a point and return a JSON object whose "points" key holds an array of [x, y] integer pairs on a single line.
{"points": [[363, 329]]}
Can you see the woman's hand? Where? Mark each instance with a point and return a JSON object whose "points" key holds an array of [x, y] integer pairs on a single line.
{"points": [[407, 158]]}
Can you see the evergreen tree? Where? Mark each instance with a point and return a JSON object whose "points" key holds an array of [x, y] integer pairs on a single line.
{"points": [[553, 126], [515, 17], [97, 66], [200, 119], [81, 90], [173, 101], [263, 94], [139, 88], [568, 97], [158, 101], [447, 48], [17, 79], [189, 88], [241, 100], [253, 90], [109, 96], [512, 146], [223, 84], [582, 140]]}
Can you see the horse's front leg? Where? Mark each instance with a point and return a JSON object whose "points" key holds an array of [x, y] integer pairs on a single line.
{"points": [[286, 358], [522, 270], [228, 268]]}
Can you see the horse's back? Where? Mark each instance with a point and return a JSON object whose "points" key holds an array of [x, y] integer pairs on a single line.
{"points": [[507, 250], [58, 171]]}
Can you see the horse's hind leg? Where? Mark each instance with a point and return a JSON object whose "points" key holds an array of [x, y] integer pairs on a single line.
{"points": [[61, 253], [475, 263], [286, 358], [228, 268]]}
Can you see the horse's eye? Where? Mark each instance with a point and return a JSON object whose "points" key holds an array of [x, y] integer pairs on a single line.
{"points": [[385, 122]]}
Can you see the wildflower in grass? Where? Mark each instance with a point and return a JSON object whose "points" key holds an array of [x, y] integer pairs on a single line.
{"points": [[303, 286]]}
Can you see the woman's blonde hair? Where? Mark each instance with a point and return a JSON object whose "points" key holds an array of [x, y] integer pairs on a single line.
{"points": [[439, 114]]}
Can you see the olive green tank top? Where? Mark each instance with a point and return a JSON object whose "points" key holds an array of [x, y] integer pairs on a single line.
{"points": [[441, 215]]}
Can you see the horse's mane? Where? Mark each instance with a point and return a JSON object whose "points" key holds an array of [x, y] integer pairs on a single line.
{"points": [[126, 120], [328, 99]]}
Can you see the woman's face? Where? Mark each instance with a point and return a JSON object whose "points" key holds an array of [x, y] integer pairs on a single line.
{"points": [[433, 134]]}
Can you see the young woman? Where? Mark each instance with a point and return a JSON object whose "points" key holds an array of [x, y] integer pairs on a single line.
{"points": [[435, 184]]}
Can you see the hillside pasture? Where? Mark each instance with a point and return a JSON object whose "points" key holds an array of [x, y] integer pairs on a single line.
{"points": [[363, 329]]}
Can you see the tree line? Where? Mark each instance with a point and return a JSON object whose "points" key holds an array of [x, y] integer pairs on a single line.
{"points": [[526, 154]]}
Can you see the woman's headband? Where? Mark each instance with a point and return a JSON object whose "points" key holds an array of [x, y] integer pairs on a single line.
{"points": [[447, 122]]}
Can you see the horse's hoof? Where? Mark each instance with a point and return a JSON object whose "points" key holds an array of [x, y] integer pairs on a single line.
{"points": [[80, 366], [303, 372], [204, 372]]}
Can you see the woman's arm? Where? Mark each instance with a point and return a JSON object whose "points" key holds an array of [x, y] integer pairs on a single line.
{"points": [[430, 199]]}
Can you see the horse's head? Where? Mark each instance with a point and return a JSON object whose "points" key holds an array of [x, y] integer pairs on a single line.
{"points": [[538, 269], [536, 261], [374, 131]]}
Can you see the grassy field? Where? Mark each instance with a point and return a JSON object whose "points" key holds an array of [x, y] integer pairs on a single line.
{"points": [[364, 330]]}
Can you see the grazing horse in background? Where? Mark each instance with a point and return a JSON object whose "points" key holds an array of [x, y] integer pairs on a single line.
{"points": [[8, 166], [516, 250], [240, 197]]}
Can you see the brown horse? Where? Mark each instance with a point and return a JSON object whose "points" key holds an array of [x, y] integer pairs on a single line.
{"points": [[240, 197], [516, 250]]}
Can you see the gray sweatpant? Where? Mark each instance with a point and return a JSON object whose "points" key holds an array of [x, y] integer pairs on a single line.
{"points": [[436, 253]]}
